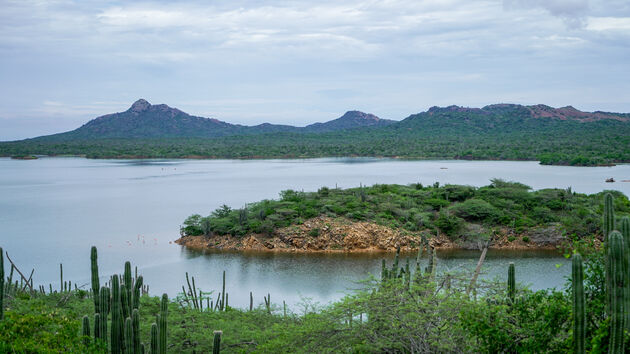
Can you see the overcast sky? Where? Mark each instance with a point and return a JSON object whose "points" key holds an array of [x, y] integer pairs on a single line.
{"points": [[65, 62]]}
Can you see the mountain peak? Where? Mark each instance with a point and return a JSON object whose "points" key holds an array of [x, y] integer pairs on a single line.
{"points": [[140, 105]]}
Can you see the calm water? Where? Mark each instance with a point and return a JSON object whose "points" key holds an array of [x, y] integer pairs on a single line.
{"points": [[53, 209]]}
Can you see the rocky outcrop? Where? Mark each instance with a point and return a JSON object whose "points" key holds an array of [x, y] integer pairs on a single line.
{"points": [[325, 234]]}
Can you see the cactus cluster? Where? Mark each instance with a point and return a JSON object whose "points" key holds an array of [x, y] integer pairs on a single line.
{"points": [[121, 300], [617, 258]]}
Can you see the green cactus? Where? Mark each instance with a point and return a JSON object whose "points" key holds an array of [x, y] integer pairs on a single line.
{"points": [[95, 282], [383, 270], [579, 314], [511, 282], [625, 233], [128, 280], [216, 345], [616, 308], [61, 276], [162, 322], [136, 292], [609, 216], [223, 293], [97, 326], [2, 284], [124, 302], [135, 323], [103, 310], [117, 320], [155, 344], [129, 338], [85, 330]]}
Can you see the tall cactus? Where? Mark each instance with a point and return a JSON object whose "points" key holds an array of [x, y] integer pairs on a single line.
{"points": [[95, 282], [128, 336], [2, 284], [136, 293], [135, 323], [216, 344], [616, 314], [97, 326], [625, 233], [609, 216], [103, 310], [85, 330], [579, 314], [155, 343], [223, 293], [127, 280], [116, 328], [163, 318], [511, 282], [124, 302]]}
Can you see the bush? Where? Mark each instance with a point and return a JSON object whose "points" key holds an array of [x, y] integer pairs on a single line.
{"points": [[476, 209], [448, 224]]}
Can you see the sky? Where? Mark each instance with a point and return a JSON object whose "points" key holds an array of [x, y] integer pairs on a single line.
{"points": [[65, 62]]}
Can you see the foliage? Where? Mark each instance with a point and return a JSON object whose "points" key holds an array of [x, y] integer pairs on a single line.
{"points": [[417, 208]]}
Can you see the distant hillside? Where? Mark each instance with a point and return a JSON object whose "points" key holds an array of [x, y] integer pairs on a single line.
{"points": [[143, 120], [559, 136], [350, 120]]}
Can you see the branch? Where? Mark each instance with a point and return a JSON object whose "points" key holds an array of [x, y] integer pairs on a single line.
{"points": [[22, 275]]}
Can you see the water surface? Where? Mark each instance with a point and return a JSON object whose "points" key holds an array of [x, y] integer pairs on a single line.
{"points": [[53, 209]]}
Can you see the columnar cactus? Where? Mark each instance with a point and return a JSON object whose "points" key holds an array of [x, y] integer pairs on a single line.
{"points": [[155, 344], [128, 280], [216, 345], [579, 314], [117, 320], [95, 282], [135, 323], [616, 308], [2, 284], [625, 233], [511, 282], [609, 216], [163, 318], [97, 326], [128, 336], [223, 293], [103, 311], [136, 292], [85, 330]]}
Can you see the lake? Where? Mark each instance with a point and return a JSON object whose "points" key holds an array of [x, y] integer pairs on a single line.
{"points": [[53, 209]]}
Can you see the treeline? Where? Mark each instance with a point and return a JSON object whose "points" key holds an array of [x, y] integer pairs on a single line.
{"points": [[418, 208], [449, 135]]}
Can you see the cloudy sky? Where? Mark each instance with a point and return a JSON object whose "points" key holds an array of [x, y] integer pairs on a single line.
{"points": [[296, 62]]}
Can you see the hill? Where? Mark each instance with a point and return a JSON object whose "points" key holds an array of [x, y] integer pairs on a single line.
{"points": [[561, 136], [144, 120]]}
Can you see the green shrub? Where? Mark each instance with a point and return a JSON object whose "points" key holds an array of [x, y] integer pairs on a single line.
{"points": [[476, 209]]}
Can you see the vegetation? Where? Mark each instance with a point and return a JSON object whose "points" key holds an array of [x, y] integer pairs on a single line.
{"points": [[418, 208], [491, 133], [406, 310]]}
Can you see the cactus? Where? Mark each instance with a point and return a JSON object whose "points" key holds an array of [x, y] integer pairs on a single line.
{"points": [[609, 216], [95, 281], [251, 301], [216, 345], [162, 322], [135, 323], [2, 284], [61, 276], [128, 285], [124, 302], [511, 282], [616, 308], [116, 327], [97, 326], [136, 292], [223, 293], [85, 330], [155, 345], [129, 338], [579, 315], [625, 233], [103, 310]]}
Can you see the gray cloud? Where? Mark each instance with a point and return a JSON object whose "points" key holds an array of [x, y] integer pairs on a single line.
{"points": [[304, 61]]}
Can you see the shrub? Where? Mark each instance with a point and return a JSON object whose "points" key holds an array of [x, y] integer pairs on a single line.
{"points": [[448, 224], [476, 209]]}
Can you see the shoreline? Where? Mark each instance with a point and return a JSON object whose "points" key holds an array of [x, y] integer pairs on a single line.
{"points": [[341, 235]]}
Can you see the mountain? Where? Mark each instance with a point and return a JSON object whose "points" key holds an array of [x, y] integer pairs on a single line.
{"points": [[350, 120], [144, 120]]}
